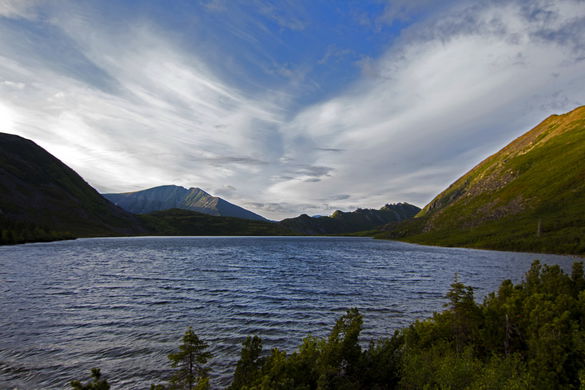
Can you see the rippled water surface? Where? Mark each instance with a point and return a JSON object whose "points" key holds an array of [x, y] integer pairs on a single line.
{"points": [[123, 303]]}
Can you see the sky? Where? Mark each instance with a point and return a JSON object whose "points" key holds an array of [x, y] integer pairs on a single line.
{"points": [[291, 106]]}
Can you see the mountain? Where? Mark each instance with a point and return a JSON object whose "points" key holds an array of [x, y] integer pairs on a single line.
{"points": [[529, 196], [170, 197], [40, 193], [42, 199], [180, 222], [350, 222]]}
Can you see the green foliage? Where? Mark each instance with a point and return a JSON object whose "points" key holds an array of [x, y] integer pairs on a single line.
{"points": [[340, 356], [522, 337], [96, 382], [381, 363], [12, 232], [464, 314], [335, 362], [190, 363], [250, 363], [525, 336]]}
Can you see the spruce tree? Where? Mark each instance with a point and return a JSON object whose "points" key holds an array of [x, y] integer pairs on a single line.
{"points": [[190, 363], [96, 383], [250, 363]]}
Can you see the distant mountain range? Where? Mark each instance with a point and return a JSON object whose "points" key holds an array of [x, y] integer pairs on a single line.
{"points": [[529, 196], [350, 222], [42, 199], [176, 197]]}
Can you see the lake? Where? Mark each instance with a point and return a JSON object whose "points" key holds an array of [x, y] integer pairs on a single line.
{"points": [[122, 304]]}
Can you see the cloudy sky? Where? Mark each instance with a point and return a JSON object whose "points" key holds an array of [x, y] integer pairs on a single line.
{"points": [[286, 107]]}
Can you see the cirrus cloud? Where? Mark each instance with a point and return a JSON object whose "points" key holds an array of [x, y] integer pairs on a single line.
{"points": [[131, 102]]}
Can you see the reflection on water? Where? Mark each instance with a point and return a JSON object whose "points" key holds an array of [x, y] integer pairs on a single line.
{"points": [[122, 304]]}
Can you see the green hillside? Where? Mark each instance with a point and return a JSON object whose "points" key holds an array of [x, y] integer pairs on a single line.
{"points": [[179, 222], [530, 196]]}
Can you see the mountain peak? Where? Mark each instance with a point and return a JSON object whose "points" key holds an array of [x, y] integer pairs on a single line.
{"points": [[176, 197], [198, 190]]}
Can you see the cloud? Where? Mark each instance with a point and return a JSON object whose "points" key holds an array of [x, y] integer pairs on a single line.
{"points": [[155, 123], [334, 53], [19, 9], [218, 161], [402, 10], [451, 91], [295, 209], [134, 104], [282, 208], [12, 84], [339, 197], [286, 15], [216, 5], [226, 191], [314, 170]]}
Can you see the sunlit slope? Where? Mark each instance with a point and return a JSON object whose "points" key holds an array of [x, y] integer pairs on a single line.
{"points": [[529, 196]]}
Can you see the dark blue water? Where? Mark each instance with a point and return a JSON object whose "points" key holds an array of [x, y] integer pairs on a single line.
{"points": [[122, 304]]}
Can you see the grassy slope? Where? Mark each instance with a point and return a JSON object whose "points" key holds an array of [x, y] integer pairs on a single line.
{"points": [[178, 222], [498, 205]]}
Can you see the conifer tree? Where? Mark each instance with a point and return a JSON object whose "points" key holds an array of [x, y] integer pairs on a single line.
{"points": [[249, 364], [190, 363], [96, 384]]}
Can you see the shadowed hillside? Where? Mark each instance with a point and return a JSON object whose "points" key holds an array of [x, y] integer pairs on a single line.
{"points": [[37, 191]]}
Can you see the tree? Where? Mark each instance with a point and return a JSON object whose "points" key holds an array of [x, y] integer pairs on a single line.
{"points": [[466, 314], [341, 353], [578, 278], [249, 364], [95, 384], [190, 362]]}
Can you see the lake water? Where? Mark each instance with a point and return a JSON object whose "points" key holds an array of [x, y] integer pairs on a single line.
{"points": [[122, 304]]}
